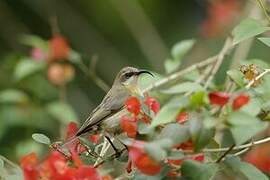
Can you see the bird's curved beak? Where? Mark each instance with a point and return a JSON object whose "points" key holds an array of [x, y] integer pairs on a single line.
{"points": [[144, 72]]}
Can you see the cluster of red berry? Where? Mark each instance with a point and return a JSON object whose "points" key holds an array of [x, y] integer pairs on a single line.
{"points": [[59, 71], [222, 98], [60, 167]]}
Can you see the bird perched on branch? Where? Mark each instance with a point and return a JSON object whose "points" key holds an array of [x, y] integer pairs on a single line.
{"points": [[124, 85]]}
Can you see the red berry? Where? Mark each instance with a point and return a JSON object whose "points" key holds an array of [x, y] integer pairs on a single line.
{"points": [[240, 101], [129, 125], [142, 160], [94, 138], [59, 48], [182, 117], [152, 104], [199, 158], [219, 98], [133, 105]]}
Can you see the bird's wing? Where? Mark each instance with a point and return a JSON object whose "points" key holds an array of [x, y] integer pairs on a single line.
{"points": [[109, 106]]}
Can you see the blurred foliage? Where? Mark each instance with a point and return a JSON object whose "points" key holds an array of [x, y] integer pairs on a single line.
{"points": [[58, 57]]}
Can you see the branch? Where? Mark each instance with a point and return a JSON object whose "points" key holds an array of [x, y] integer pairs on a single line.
{"points": [[248, 145], [178, 74], [220, 57], [92, 75], [225, 154]]}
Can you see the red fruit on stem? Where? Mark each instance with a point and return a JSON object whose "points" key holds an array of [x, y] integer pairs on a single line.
{"points": [[55, 74], [76, 159], [240, 101], [87, 173], [29, 165], [152, 104], [133, 105], [129, 125], [182, 117], [142, 160], [129, 166], [94, 138], [176, 162], [219, 98], [71, 130], [199, 157], [259, 157], [59, 48], [188, 145]]}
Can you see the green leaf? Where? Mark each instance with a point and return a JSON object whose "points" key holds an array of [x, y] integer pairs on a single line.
{"points": [[27, 67], [192, 76], [174, 155], [175, 132], [155, 150], [248, 28], [13, 96], [198, 99], [243, 170], [183, 87], [169, 111], [236, 76], [180, 49], [200, 134], [62, 112], [193, 170], [253, 107], [244, 126], [265, 40], [41, 138], [171, 65]]}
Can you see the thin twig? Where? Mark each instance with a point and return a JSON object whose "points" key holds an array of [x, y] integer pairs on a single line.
{"points": [[265, 140], [179, 74], [220, 57], [225, 154], [264, 10], [104, 149], [242, 151], [99, 82], [257, 78]]}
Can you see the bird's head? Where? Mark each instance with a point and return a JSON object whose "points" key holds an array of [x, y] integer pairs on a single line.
{"points": [[128, 78]]}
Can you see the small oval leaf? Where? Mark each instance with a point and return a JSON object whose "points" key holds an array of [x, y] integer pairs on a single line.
{"points": [[41, 138]]}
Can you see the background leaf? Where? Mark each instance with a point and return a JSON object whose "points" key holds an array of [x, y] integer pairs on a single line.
{"points": [[27, 67], [193, 170], [62, 111], [243, 170], [13, 96], [248, 28], [244, 126]]}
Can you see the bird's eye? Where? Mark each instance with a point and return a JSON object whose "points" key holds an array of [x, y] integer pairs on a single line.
{"points": [[128, 75]]}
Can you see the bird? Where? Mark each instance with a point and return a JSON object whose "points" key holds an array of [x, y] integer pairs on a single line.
{"points": [[125, 84]]}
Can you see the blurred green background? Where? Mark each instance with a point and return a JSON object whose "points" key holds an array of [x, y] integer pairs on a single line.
{"points": [[119, 33]]}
